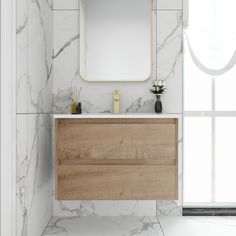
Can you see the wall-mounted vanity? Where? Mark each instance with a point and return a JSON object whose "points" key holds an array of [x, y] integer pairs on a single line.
{"points": [[112, 157]]}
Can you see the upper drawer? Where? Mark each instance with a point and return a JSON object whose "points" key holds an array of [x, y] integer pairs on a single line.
{"points": [[116, 141]]}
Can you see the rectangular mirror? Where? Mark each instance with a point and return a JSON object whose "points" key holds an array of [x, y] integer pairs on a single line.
{"points": [[115, 40]]}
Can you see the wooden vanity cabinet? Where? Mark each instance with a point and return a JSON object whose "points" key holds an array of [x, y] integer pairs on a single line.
{"points": [[116, 159]]}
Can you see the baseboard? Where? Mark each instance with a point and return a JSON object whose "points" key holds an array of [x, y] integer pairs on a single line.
{"points": [[209, 211]]}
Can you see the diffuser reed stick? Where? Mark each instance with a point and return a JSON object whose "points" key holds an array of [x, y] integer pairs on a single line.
{"points": [[74, 94]]}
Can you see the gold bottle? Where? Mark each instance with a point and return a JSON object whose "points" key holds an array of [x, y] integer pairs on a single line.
{"points": [[74, 108], [116, 102]]}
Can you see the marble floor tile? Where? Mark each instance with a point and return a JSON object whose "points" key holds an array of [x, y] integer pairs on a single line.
{"points": [[104, 226], [198, 226], [142, 226]]}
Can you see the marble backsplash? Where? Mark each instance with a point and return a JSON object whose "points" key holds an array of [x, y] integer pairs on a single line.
{"points": [[135, 97]]}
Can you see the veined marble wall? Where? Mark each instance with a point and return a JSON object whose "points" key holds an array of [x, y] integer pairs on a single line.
{"points": [[167, 64], [40, 72], [98, 98], [34, 105]]}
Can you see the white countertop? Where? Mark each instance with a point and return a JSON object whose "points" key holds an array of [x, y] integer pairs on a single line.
{"points": [[130, 115]]}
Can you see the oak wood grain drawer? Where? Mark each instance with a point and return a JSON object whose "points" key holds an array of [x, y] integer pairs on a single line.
{"points": [[116, 182], [116, 141]]}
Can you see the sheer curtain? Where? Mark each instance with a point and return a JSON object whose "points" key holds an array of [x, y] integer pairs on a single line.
{"points": [[210, 102], [210, 35]]}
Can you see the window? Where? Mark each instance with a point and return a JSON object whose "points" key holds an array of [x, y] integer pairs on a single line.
{"points": [[210, 103]]}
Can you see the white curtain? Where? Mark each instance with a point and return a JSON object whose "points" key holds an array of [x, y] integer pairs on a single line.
{"points": [[210, 34]]}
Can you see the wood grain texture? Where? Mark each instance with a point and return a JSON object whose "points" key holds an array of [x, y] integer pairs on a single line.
{"points": [[177, 159], [116, 159], [146, 143], [116, 182]]}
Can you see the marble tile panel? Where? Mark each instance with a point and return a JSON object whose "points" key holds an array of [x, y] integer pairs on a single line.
{"points": [[170, 58], [104, 208], [21, 176], [168, 208], [105, 226], [21, 56], [40, 51], [174, 208], [169, 4], [179, 204], [39, 173], [66, 5]]}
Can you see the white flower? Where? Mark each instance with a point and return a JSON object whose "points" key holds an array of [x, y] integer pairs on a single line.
{"points": [[161, 83], [155, 82]]}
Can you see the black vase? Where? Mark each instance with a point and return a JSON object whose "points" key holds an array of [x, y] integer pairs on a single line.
{"points": [[79, 109], [158, 105]]}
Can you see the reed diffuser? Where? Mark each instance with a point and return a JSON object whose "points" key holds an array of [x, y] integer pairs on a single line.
{"points": [[76, 105]]}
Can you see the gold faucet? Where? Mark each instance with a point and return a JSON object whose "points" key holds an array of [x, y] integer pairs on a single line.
{"points": [[116, 101]]}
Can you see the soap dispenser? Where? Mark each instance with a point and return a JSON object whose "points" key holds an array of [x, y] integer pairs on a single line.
{"points": [[116, 101]]}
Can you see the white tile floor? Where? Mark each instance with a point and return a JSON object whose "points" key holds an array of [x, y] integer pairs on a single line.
{"points": [[142, 226], [198, 226]]}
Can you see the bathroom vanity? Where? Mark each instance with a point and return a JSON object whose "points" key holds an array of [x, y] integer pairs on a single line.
{"points": [[116, 157]]}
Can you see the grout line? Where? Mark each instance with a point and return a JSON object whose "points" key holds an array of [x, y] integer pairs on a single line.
{"points": [[27, 68], [37, 113], [156, 211], [153, 9], [168, 9], [66, 9], [47, 225], [183, 116], [162, 230]]}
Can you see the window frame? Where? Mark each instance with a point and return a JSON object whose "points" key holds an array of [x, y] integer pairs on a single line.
{"points": [[213, 114]]}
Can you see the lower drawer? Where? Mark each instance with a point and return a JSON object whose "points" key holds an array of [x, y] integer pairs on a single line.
{"points": [[116, 182]]}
